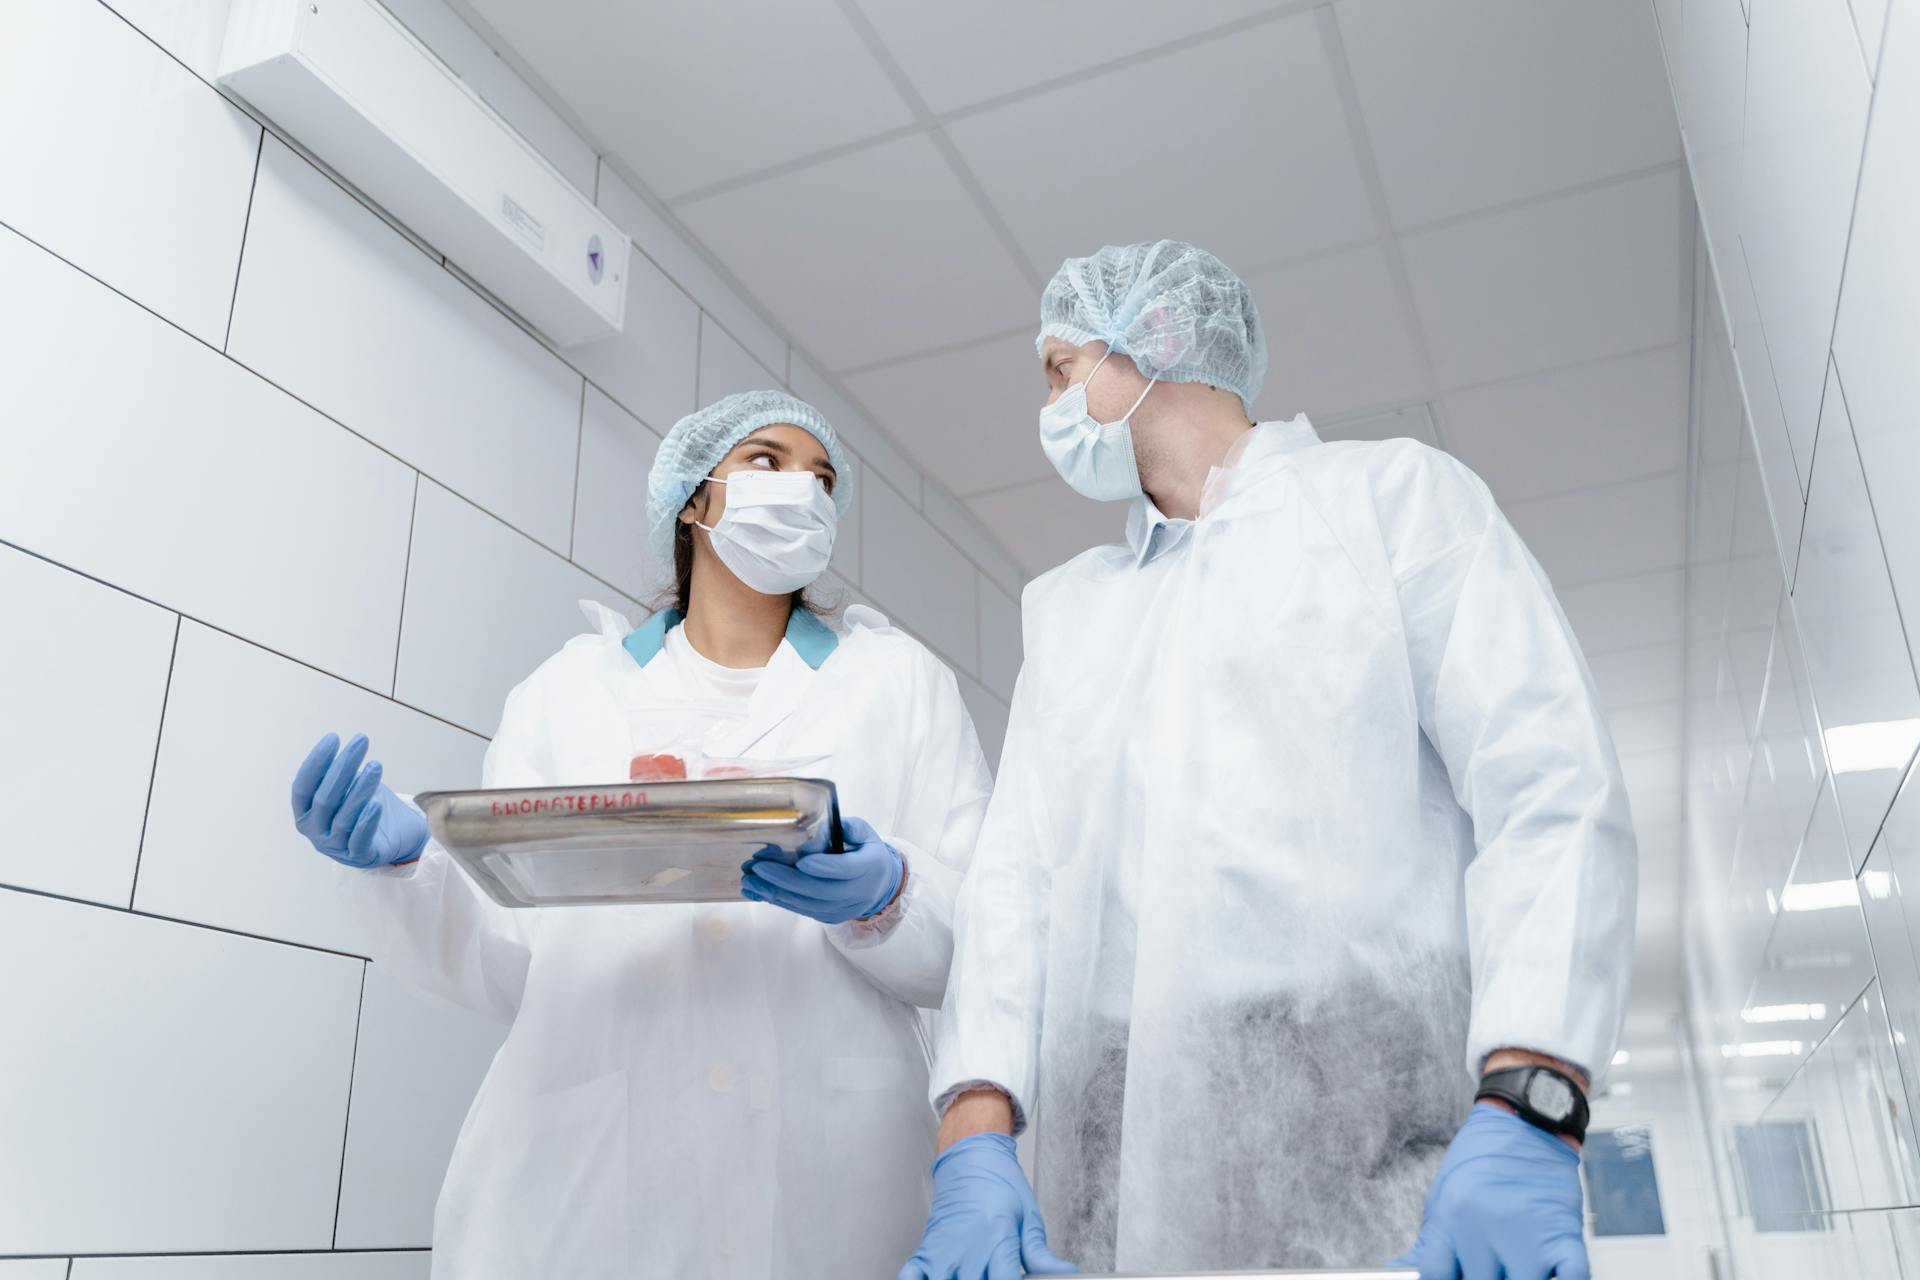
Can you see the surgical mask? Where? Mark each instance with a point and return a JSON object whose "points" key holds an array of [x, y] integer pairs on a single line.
{"points": [[777, 531], [1095, 458]]}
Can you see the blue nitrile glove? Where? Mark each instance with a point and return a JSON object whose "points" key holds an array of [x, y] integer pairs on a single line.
{"points": [[985, 1223], [348, 813], [829, 887], [1506, 1203]]}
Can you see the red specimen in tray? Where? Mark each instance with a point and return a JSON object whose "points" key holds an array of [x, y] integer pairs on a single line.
{"points": [[661, 768]]}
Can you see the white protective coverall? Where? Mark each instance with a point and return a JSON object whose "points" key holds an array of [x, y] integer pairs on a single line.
{"points": [[1306, 806], [703, 1091]]}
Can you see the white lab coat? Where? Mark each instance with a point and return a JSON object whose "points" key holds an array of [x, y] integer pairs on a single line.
{"points": [[1305, 807], [703, 1091]]}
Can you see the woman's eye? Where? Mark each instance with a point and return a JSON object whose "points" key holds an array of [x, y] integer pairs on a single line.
{"points": [[765, 460]]}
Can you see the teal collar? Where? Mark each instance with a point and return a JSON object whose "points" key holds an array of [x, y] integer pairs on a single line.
{"points": [[811, 638]]}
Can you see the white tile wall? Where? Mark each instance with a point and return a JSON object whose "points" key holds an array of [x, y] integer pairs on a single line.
{"points": [[155, 485], [610, 505], [83, 699], [415, 1072], [96, 127], [283, 1266], [1807, 96], [168, 1088], [989, 717], [240, 864], [1830, 393], [471, 576], [185, 479], [727, 367], [344, 313], [919, 575], [650, 366], [846, 541]]}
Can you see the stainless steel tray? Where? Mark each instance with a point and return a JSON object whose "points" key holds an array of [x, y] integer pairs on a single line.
{"points": [[636, 842], [1335, 1273]]}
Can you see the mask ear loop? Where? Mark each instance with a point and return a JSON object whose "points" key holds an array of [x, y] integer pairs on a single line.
{"points": [[708, 480], [1136, 404]]}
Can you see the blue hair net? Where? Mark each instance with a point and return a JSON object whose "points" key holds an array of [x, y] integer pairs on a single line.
{"points": [[698, 441], [1176, 311]]}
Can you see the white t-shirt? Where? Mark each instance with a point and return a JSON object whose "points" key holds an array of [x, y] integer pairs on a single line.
{"points": [[706, 700]]}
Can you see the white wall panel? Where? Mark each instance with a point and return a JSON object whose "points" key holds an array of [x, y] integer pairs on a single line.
{"points": [[965, 530], [417, 1067], [846, 538], [610, 511], [650, 365], [1807, 95], [1000, 639], [484, 607], [33, 1269], [857, 429], [989, 715], [727, 367], [919, 577], [279, 1266], [185, 479], [348, 316], [1857, 659], [1890, 896], [1877, 337], [82, 693], [168, 1088], [254, 715], [1713, 84], [95, 124], [190, 30]]}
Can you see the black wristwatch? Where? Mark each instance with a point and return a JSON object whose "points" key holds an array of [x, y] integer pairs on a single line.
{"points": [[1545, 1098]]}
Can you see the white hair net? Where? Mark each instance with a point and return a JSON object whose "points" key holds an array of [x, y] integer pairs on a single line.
{"points": [[1175, 310], [698, 441]]}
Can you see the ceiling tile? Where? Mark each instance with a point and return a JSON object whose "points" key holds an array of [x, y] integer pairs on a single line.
{"points": [[1604, 532], [1591, 424], [1237, 145], [690, 93], [1337, 336], [969, 417], [1639, 730], [1410, 423], [1625, 613], [1478, 102], [868, 256], [1046, 524], [1549, 284], [959, 54], [1637, 677]]}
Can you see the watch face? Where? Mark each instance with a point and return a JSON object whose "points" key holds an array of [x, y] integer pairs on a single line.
{"points": [[1551, 1096]]}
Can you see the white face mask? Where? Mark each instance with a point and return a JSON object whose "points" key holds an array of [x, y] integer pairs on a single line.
{"points": [[1095, 458], [777, 531]]}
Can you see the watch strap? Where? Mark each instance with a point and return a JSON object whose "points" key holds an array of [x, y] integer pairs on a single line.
{"points": [[1510, 1085]]}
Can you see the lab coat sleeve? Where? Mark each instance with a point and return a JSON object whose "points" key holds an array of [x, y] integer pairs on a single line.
{"points": [[1505, 698], [989, 1025], [438, 931], [908, 950]]}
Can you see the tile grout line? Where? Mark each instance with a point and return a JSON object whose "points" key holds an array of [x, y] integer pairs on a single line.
{"points": [[159, 736], [246, 225], [579, 445], [406, 578], [1333, 44], [222, 1253], [346, 1128], [138, 914], [246, 640]]}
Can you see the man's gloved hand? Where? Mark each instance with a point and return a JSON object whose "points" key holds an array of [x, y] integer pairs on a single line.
{"points": [[1505, 1205], [829, 887], [348, 813], [985, 1223]]}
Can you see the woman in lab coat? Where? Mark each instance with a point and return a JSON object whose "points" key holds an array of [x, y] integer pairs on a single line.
{"points": [[716, 1090]]}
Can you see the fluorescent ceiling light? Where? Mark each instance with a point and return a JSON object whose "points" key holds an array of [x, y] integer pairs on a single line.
{"points": [[1820, 895], [1879, 884], [1784, 1013], [1875, 744], [1763, 1049], [1621, 1058]]}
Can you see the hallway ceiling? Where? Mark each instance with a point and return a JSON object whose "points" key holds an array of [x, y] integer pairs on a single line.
{"points": [[1465, 221]]}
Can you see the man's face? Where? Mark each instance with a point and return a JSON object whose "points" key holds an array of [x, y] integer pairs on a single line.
{"points": [[1110, 395]]}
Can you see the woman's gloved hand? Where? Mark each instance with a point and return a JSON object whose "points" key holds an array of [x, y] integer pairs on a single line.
{"points": [[829, 887], [1506, 1202], [985, 1223], [348, 813]]}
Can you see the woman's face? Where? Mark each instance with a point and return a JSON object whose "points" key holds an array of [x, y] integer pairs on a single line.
{"points": [[780, 447]]}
